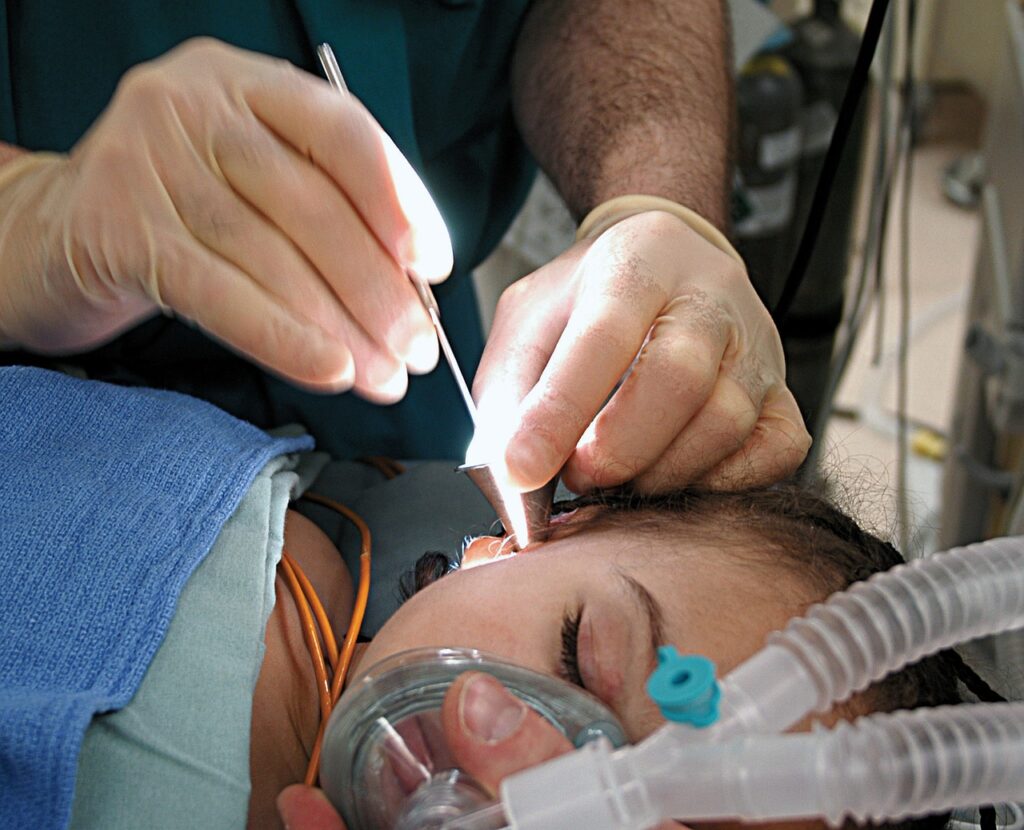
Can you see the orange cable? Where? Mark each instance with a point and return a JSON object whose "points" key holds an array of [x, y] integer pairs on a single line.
{"points": [[309, 634], [355, 624], [324, 624]]}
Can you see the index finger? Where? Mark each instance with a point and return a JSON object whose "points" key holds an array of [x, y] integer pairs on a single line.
{"points": [[340, 136], [615, 310]]}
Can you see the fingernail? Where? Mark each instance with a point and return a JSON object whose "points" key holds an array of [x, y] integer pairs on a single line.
{"points": [[488, 711]]}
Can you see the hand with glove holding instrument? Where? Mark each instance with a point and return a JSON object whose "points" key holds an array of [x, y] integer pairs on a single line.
{"points": [[652, 290], [242, 195]]}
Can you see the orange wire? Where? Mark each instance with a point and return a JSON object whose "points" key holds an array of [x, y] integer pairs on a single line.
{"points": [[355, 624], [326, 632], [309, 634]]}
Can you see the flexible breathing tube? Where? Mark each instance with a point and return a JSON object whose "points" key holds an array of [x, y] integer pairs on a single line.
{"points": [[872, 629], [923, 761], [882, 767]]}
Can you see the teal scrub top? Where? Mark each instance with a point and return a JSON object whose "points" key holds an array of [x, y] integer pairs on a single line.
{"points": [[435, 73]]}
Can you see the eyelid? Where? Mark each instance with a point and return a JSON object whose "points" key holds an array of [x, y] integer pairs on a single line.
{"points": [[651, 610], [569, 665]]}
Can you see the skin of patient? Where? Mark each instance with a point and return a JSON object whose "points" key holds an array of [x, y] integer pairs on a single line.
{"points": [[631, 591]]}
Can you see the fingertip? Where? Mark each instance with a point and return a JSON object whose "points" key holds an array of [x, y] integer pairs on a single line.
{"points": [[329, 367], [422, 352], [429, 252], [307, 808], [388, 389], [425, 246]]}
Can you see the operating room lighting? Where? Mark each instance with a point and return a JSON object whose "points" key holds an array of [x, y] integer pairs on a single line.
{"points": [[488, 447], [430, 246]]}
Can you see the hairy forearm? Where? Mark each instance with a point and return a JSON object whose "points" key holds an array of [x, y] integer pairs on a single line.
{"points": [[617, 97]]}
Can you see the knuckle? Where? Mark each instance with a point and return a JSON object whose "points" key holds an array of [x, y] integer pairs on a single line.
{"points": [[605, 468], [605, 337], [213, 218], [557, 424], [245, 145], [700, 315], [107, 157], [512, 296], [147, 81], [689, 374], [202, 47]]}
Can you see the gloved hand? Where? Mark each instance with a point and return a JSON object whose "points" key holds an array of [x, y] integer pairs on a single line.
{"points": [[247, 197], [704, 403]]}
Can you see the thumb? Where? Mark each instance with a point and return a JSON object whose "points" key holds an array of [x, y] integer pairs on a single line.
{"points": [[306, 808], [492, 733]]}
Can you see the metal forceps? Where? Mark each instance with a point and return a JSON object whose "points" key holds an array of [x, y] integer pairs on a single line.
{"points": [[426, 295]]}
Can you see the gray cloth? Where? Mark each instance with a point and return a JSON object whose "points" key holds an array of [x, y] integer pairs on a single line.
{"points": [[428, 507], [178, 754]]}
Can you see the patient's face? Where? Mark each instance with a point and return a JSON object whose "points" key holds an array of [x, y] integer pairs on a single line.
{"points": [[632, 591]]}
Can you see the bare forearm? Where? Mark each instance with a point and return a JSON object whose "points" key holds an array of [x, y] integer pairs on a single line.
{"points": [[619, 97]]}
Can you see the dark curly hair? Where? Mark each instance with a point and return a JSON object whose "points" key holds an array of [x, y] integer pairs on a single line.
{"points": [[787, 526]]}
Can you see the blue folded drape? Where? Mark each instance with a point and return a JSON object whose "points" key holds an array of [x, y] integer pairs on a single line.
{"points": [[109, 499]]}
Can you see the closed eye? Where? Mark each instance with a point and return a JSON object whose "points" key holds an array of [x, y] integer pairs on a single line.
{"points": [[569, 666]]}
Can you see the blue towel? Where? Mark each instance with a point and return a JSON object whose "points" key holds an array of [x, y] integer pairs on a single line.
{"points": [[109, 499]]}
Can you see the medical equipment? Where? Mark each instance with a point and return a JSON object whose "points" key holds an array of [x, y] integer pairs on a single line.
{"points": [[316, 627], [423, 290], [881, 767], [525, 516], [385, 762]]}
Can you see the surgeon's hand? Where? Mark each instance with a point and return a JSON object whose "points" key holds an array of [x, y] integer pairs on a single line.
{"points": [[705, 402], [244, 196], [491, 733]]}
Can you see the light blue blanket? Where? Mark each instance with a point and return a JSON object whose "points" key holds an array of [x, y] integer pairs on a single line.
{"points": [[109, 499]]}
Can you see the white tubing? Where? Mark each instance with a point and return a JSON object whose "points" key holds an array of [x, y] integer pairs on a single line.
{"points": [[882, 767], [874, 628], [879, 768]]}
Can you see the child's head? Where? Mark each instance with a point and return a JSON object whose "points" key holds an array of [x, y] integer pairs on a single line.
{"points": [[710, 573]]}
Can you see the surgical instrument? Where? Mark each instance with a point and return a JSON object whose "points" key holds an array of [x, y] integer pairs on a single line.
{"points": [[526, 517], [333, 72]]}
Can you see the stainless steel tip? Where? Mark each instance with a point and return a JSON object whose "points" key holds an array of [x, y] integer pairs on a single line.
{"points": [[535, 504]]}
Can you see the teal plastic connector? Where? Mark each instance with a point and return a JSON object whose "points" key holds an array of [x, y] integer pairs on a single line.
{"points": [[684, 687]]}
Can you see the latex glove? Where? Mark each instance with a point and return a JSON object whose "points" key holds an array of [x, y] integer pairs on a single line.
{"points": [[705, 402], [491, 733], [247, 197]]}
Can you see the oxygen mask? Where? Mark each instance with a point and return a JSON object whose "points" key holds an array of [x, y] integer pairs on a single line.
{"points": [[386, 764]]}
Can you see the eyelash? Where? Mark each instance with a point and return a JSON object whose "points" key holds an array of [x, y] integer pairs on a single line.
{"points": [[569, 664]]}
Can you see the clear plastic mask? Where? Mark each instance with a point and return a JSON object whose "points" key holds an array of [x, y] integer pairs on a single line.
{"points": [[385, 762]]}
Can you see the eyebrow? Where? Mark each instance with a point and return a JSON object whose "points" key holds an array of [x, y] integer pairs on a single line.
{"points": [[652, 610]]}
